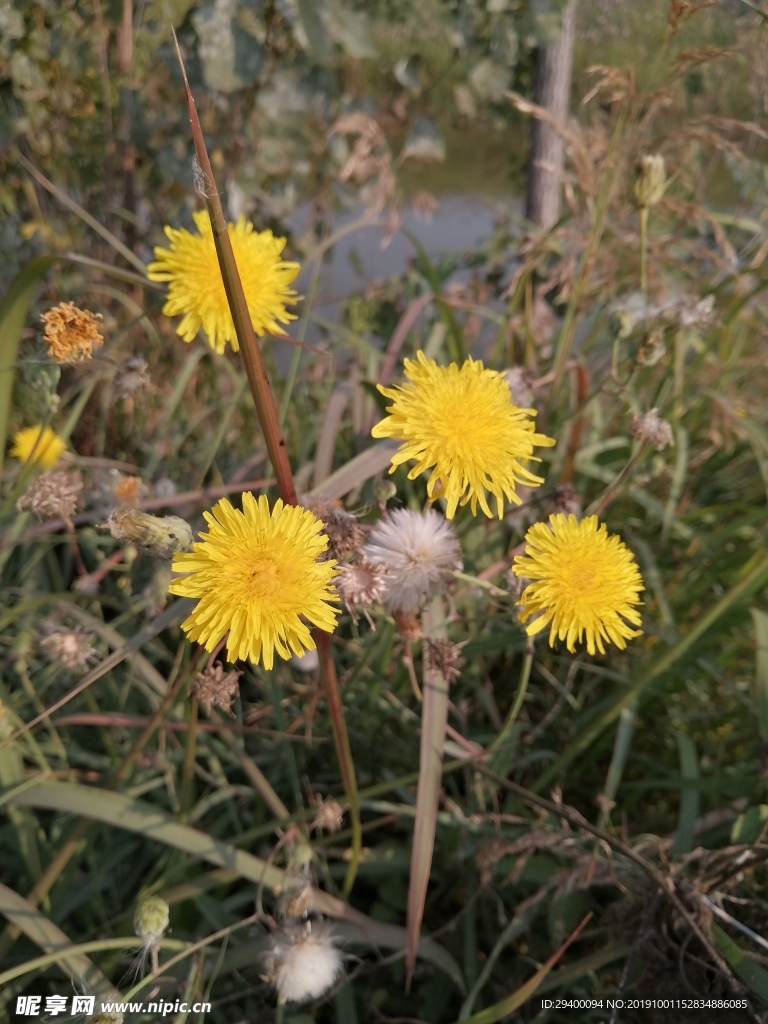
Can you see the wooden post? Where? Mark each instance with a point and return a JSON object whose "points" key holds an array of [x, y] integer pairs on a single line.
{"points": [[552, 89]]}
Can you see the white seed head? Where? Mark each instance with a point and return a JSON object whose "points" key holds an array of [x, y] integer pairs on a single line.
{"points": [[651, 428], [417, 550], [304, 962]]}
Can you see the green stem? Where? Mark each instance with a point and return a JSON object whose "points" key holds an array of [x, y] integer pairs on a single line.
{"points": [[343, 750], [263, 399], [267, 412], [644, 255], [498, 754]]}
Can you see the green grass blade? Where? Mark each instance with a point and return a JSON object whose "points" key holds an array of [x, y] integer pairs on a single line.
{"points": [[753, 578], [49, 937], [455, 338], [13, 315], [760, 620], [689, 795], [515, 1000], [123, 812], [751, 973], [434, 718], [621, 747], [84, 216], [352, 474]]}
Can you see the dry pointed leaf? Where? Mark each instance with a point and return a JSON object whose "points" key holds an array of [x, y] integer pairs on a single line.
{"points": [[434, 717]]}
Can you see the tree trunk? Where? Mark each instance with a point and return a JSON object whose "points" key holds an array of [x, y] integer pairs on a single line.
{"points": [[551, 91]]}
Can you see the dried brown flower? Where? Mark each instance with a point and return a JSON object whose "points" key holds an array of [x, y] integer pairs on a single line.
{"points": [[214, 687], [652, 348], [361, 584], [370, 165], [52, 495], [649, 427], [344, 534], [70, 648], [71, 332], [568, 500], [127, 490], [131, 376], [407, 625], [424, 205], [328, 816], [445, 657]]}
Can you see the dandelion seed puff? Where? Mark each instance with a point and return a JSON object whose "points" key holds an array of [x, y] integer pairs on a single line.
{"points": [[304, 963], [417, 550]]}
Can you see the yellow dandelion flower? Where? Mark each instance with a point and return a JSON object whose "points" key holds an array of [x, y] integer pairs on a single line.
{"points": [[71, 332], [463, 425], [196, 288], [40, 444], [256, 576], [585, 581]]}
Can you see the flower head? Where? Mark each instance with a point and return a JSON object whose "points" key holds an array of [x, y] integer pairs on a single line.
{"points": [[196, 288], [128, 490], [53, 494], [214, 687], [256, 576], [651, 428], [71, 332], [650, 180], [463, 425], [151, 919], [130, 376], [340, 527], [304, 962], [69, 648], [361, 584], [417, 550], [40, 444], [584, 582]]}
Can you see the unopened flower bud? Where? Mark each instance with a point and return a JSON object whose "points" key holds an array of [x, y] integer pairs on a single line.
{"points": [[163, 535], [652, 348], [151, 919], [650, 180]]}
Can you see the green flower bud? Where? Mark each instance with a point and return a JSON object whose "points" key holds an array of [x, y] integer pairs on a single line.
{"points": [[151, 918], [163, 535]]}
